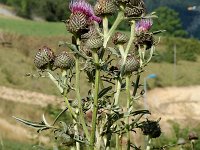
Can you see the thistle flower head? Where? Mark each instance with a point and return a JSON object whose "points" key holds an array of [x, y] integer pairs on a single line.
{"points": [[105, 7], [64, 61], [132, 64], [82, 6], [120, 38], [44, 58], [144, 25]]}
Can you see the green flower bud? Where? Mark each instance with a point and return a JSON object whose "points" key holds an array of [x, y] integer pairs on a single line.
{"points": [[94, 42], [120, 38], [76, 23], [131, 65], [44, 58], [105, 7], [64, 61]]}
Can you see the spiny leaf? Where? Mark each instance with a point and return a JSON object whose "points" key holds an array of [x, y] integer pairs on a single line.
{"points": [[44, 120], [104, 91], [73, 48], [114, 51], [30, 123], [65, 128], [138, 112]]}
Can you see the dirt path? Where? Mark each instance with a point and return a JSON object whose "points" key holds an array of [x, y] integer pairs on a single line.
{"points": [[28, 97], [170, 102], [173, 102]]}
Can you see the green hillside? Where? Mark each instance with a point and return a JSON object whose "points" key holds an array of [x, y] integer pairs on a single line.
{"points": [[28, 27], [17, 60]]}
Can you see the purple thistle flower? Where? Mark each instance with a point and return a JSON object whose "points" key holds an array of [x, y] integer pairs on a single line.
{"points": [[83, 7], [144, 25]]}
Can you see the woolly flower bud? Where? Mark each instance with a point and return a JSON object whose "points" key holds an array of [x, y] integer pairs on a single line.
{"points": [[130, 2], [76, 22], [64, 61], [131, 65], [43, 58], [144, 25], [94, 42], [85, 8], [92, 32], [105, 7], [119, 38], [134, 11], [86, 50]]}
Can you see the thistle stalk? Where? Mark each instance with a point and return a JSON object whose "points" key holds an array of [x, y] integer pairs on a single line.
{"points": [[78, 96], [53, 79], [95, 104], [76, 131], [81, 116], [118, 20], [132, 36], [124, 56], [128, 106], [105, 26]]}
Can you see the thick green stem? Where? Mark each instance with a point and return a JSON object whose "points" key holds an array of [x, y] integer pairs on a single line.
{"points": [[117, 140], [148, 147], [76, 132], [119, 18], [117, 94], [128, 106], [95, 104], [121, 49], [124, 56], [132, 36], [105, 26], [77, 85], [69, 107], [192, 144], [52, 78], [64, 95]]}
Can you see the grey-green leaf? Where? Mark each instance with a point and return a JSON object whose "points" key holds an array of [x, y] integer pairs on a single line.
{"points": [[104, 91]]}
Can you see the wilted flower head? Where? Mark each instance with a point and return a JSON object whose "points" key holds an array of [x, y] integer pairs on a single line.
{"points": [[83, 7], [151, 128], [144, 25]]}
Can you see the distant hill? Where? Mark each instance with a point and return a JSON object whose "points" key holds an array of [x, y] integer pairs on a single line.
{"points": [[190, 19]]}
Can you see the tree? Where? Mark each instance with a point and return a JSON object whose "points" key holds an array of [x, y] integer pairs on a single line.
{"points": [[170, 21]]}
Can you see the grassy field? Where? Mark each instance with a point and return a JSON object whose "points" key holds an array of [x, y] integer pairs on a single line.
{"points": [[28, 27]]}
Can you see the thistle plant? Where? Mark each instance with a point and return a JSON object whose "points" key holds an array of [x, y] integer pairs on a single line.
{"points": [[111, 69]]}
